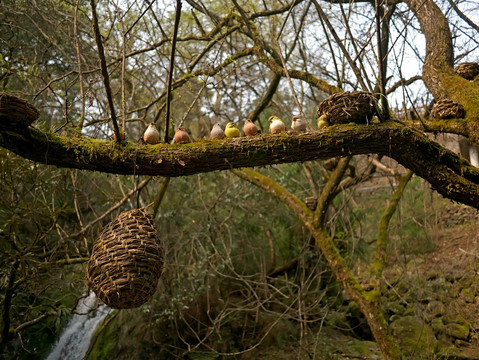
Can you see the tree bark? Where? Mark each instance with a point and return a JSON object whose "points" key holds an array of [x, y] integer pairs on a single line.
{"points": [[438, 71], [450, 175], [368, 301]]}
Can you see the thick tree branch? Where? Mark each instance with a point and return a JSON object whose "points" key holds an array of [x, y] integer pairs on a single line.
{"points": [[272, 187], [438, 73], [450, 175]]}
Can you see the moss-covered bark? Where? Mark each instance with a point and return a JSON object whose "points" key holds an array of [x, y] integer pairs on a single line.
{"points": [[368, 301], [450, 175], [383, 230], [438, 71]]}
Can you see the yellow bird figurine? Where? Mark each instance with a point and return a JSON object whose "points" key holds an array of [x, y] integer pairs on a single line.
{"points": [[249, 128], [181, 136], [298, 123], [217, 132], [151, 135], [323, 121], [231, 130], [276, 126]]}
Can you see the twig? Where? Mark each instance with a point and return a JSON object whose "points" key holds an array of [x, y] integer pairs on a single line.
{"points": [[170, 72], [80, 74], [383, 235], [463, 16], [114, 207], [382, 81], [104, 69], [266, 98], [291, 85], [355, 69], [159, 196]]}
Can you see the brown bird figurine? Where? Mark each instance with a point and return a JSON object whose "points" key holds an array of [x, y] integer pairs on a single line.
{"points": [[181, 136], [249, 128], [151, 135]]}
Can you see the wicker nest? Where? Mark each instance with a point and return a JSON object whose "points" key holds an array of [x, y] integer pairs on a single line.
{"points": [[468, 70], [16, 112], [447, 109], [346, 107], [126, 261]]}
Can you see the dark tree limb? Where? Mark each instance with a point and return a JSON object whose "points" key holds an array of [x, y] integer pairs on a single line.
{"points": [[104, 69], [438, 72], [170, 71], [253, 116], [450, 175]]}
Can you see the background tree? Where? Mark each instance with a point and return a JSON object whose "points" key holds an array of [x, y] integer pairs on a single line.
{"points": [[233, 61]]}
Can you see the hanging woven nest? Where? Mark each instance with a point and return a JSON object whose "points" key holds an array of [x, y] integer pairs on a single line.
{"points": [[126, 261], [346, 107], [468, 70], [447, 109], [16, 112]]}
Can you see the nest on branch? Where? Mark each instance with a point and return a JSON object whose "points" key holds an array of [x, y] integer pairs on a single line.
{"points": [[447, 109], [16, 112], [346, 107], [468, 70], [126, 261]]}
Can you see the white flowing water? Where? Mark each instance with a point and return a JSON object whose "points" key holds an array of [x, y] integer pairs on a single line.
{"points": [[75, 338]]}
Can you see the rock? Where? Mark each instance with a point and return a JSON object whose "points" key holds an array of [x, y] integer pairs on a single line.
{"points": [[393, 307], [467, 295], [457, 331], [437, 325], [434, 309], [415, 338]]}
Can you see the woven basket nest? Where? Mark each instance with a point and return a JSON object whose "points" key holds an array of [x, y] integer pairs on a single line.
{"points": [[126, 261], [468, 70], [346, 107], [447, 109], [17, 112]]}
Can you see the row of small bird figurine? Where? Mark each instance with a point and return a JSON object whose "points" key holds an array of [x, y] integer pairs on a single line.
{"points": [[276, 126]]}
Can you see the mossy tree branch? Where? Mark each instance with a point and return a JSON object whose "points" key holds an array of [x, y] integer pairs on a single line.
{"points": [[367, 301], [383, 230], [438, 72], [450, 175], [329, 190]]}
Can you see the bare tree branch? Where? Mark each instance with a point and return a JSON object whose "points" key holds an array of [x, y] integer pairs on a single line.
{"points": [[104, 70]]}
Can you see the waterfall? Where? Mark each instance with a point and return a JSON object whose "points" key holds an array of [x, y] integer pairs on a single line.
{"points": [[76, 336]]}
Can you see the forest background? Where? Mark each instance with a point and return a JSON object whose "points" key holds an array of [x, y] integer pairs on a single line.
{"points": [[311, 255]]}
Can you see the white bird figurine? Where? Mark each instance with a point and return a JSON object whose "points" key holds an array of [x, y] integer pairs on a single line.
{"points": [[217, 132], [298, 123], [276, 126], [151, 135]]}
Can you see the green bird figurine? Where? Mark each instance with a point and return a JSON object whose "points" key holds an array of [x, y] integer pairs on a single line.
{"points": [[231, 131], [323, 121], [276, 125]]}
